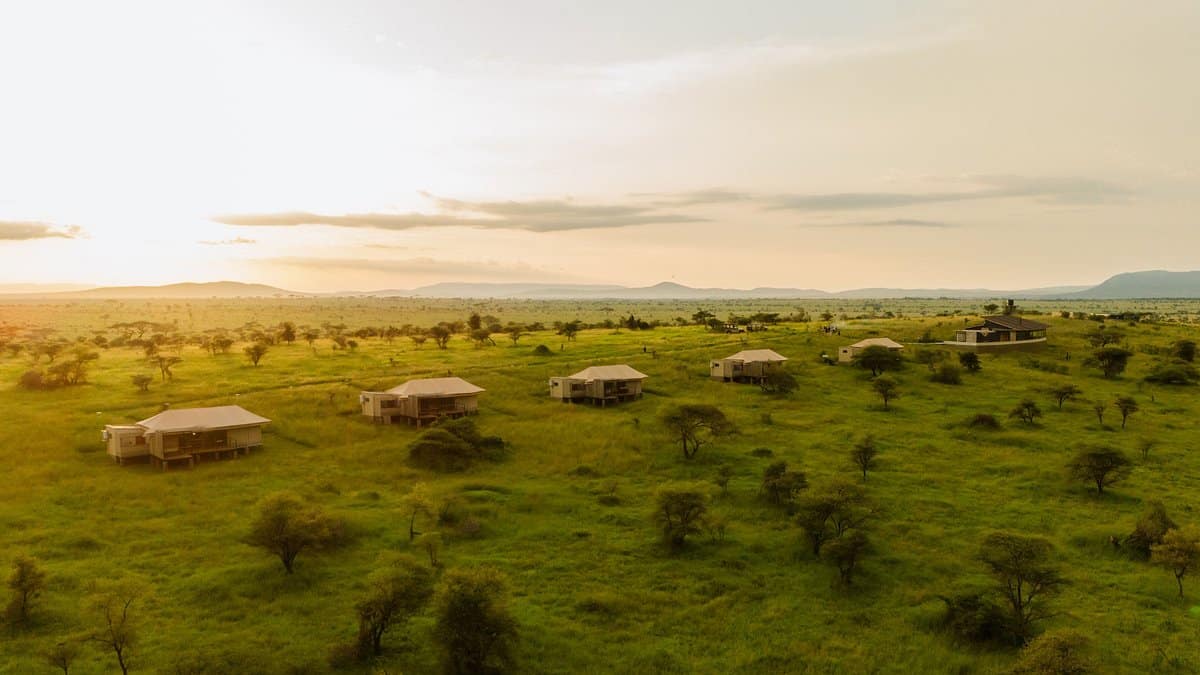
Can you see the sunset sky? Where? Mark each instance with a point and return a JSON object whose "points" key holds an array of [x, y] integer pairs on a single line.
{"points": [[321, 145]]}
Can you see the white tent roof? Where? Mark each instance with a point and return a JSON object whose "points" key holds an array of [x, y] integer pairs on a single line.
{"points": [[617, 372], [435, 387], [202, 419], [757, 355], [878, 342]]}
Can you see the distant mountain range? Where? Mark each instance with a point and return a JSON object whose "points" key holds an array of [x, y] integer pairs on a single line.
{"points": [[1132, 285]]}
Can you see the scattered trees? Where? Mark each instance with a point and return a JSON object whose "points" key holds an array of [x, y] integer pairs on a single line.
{"points": [[26, 582], [680, 509], [695, 424], [864, 454], [474, 626], [286, 526], [878, 359], [1102, 466], [887, 389], [1025, 577], [1178, 552], [1027, 411]]}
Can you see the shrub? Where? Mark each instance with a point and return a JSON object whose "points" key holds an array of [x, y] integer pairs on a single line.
{"points": [[1174, 373], [975, 619], [1056, 653], [32, 379], [1150, 529], [680, 510], [440, 450], [542, 350], [474, 625], [985, 421], [970, 361], [947, 373], [286, 526]]}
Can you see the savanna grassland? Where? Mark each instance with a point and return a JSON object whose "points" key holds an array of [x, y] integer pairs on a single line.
{"points": [[566, 513]]}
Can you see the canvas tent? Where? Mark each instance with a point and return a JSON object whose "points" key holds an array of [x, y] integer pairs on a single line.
{"points": [[599, 384], [847, 354], [186, 435], [422, 401], [750, 365]]}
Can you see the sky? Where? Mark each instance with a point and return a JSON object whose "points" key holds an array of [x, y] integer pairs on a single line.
{"points": [[372, 144]]}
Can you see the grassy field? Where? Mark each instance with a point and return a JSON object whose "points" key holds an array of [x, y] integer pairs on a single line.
{"points": [[594, 590]]}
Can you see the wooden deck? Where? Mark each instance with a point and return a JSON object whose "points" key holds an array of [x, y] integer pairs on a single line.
{"points": [[193, 455]]}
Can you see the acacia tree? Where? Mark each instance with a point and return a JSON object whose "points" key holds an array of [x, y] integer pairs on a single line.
{"points": [[569, 329], [285, 526], [515, 333], [395, 594], [112, 605], [473, 624], [1025, 577], [845, 553], [1178, 552], [1102, 466], [887, 388], [864, 453], [1127, 405], [26, 582], [142, 382], [781, 485], [877, 359], [778, 382], [1064, 393], [1027, 411], [831, 511], [255, 352], [441, 336], [417, 502], [695, 424], [166, 363], [680, 510], [1110, 360], [1098, 407], [1151, 527], [62, 655]]}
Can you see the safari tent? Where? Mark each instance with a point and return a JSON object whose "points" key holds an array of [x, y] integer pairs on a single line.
{"points": [[847, 354], [599, 384], [751, 365], [423, 401], [185, 435]]}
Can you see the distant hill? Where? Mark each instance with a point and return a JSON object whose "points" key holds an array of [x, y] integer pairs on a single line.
{"points": [[214, 289], [1149, 284]]}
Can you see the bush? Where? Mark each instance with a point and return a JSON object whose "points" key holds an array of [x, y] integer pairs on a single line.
{"points": [[542, 350], [1056, 653], [985, 421], [976, 619], [32, 379], [465, 429], [1174, 373], [947, 373], [440, 450]]}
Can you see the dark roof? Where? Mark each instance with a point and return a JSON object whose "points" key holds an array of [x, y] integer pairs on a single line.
{"points": [[1014, 322]]}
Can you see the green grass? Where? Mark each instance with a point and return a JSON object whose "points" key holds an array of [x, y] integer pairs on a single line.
{"points": [[593, 589]]}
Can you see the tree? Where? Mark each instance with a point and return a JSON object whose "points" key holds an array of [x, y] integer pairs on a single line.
{"points": [[62, 655], [255, 352], [569, 329], [473, 623], [1178, 552], [287, 332], [112, 605], [1102, 466], [1098, 407], [475, 322], [417, 502], [395, 594], [1104, 336], [286, 526], [142, 382], [781, 485], [515, 333], [931, 358], [878, 359], [310, 336], [1055, 653], [1027, 411], [482, 337], [694, 424], [1110, 360], [991, 308], [1145, 446], [1064, 393], [1151, 527], [418, 339], [1184, 350], [701, 317], [26, 582], [947, 373], [1025, 576], [724, 473], [441, 450], [1127, 405], [778, 382], [970, 361], [679, 510], [441, 336], [887, 388], [845, 554], [166, 363], [831, 511], [863, 454]]}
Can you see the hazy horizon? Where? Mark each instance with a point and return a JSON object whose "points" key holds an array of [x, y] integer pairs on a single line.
{"points": [[367, 145]]}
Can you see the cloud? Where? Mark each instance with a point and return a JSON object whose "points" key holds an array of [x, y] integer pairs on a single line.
{"points": [[534, 216], [228, 242], [459, 270], [1066, 190], [695, 197], [895, 222], [24, 230]]}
